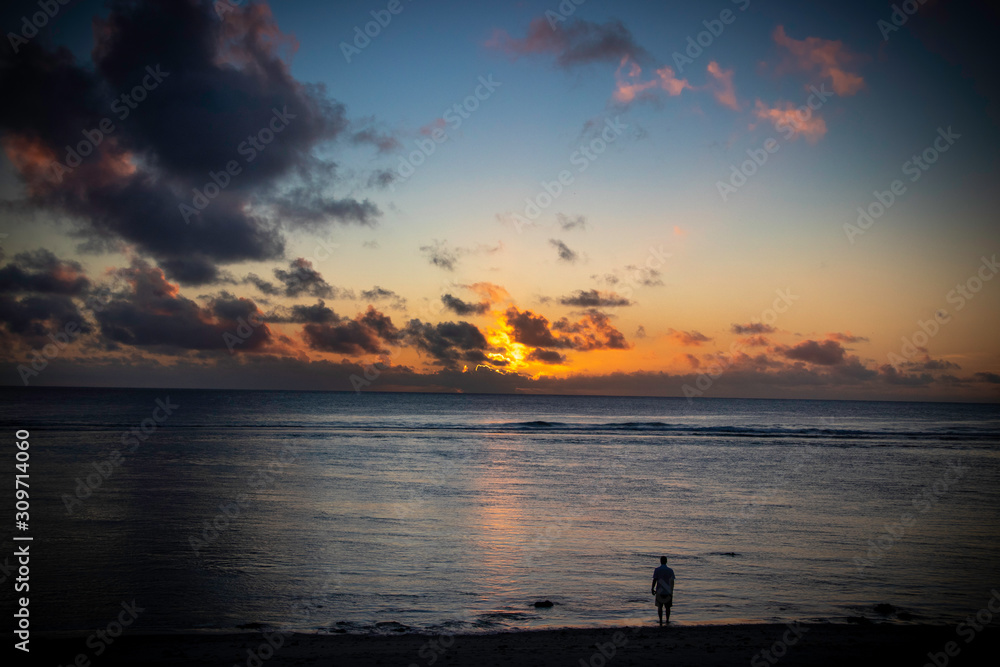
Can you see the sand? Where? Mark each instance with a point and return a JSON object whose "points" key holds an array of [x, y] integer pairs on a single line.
{"points": [[817, 644]]}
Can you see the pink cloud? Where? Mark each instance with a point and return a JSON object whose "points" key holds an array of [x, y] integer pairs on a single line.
{"points": [[722, 86], [629, 85], [830, 58], [787, 118]]}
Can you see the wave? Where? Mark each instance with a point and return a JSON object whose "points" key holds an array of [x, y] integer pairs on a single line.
{"points": [[321, 428]]}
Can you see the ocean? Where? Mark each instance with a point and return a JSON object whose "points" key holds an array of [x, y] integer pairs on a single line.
{"points": [[384, 513]]}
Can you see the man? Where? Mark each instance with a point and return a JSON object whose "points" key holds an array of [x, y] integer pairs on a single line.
{"points": [[663, 589]]}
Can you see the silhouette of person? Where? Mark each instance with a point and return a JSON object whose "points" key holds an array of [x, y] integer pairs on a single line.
{"points": [[663, 589]]}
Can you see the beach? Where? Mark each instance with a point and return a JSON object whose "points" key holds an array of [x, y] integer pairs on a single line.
{"points": [[702, 646]]}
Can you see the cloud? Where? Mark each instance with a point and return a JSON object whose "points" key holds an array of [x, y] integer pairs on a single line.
{"points": [[441, 255], [565, 254], [755, 341], [827, 353], [991, 378], [829, 58], [546, 356], [377, 293], [385, 143], [301, 278], [567, 223], [217, 83], [594, 299], [629, 85], [42, 272], [846, 337], [573, 44], [367, 332], [752, 328], [449, 343], [640, 332], [786, 117], [689, 338], [722, 88], [464, 308], [315, 314], [32, 318], [150, 312], [489, 291], [593, 331]]}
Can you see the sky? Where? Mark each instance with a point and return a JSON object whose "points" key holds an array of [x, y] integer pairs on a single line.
{"points": [[729, 199]]}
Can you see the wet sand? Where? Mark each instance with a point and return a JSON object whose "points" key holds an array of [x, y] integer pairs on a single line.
{"points": [[820, 644]]}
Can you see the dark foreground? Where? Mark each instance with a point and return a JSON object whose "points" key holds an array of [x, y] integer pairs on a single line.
{"points": [[823, 644]]}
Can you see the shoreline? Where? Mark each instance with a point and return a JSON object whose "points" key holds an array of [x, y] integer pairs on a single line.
{"points": [[797, 643]]}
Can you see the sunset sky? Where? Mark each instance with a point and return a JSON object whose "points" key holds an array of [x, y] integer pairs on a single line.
{"points": [[585, 197]]}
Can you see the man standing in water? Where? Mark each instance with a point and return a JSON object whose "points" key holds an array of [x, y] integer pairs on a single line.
{"points": [[663, 588]]}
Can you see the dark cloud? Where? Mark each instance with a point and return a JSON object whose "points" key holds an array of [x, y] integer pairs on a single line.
{"points": [[546, 356], [592, 332], [752, 328], [565, 254], [991, 378], [594, 299], [301, 278], [368, 332], [151, 313], [32, 318], [567, 223], [689, 338], [755, 341], [826, 353], [449, 343], [264, 286], [42, 272], [317, 313], [847, 337], [890, 375], [440, 255], [464, 308], [377, 293], [574, 43], [384, 142], [211, 88]]}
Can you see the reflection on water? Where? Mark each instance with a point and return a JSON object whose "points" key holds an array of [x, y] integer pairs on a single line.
{"points": [[379, 513]]}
